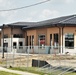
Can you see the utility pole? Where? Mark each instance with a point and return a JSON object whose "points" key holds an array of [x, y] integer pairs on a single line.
{"points": [[3, 40]]}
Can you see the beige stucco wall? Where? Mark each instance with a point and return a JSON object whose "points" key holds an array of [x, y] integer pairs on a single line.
{"points": [[70, 30], [41, 31], [45, 31], [6, 30], [30, 33], [51, 31], [17, 31], [37, 32]]}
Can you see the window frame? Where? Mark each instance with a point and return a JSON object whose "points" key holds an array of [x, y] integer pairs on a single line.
{"points": [[20, 46], [69, 41], [43, 38]]}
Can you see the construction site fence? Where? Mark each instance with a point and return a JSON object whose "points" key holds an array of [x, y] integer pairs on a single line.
{"points": [[36, 56]]}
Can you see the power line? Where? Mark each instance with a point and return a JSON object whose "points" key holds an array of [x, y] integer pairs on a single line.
{"points": [[25, 6]]}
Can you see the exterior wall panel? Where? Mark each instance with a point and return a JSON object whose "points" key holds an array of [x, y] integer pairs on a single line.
{"points": [[17, 31], [41, 31], [70, 30], [51, 31], [30, 33], [7, 30]]}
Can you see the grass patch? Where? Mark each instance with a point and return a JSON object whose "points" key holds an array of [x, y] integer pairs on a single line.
{"points": [[7, 73], [31, 70], [70, 74], [35, 70]]}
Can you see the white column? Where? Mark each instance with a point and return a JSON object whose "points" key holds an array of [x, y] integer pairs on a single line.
{"points": [[64, 50], [75, 42], [61, 41]]}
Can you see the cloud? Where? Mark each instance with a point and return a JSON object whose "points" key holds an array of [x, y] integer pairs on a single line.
{"points": [[63, 1], [29, 19], [33, 13], [7, 16], [1, 1], [68, 1], [5, 4], [47, 13]]}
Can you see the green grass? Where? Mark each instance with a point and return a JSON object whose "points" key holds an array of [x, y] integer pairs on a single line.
{"points": [[71, 74], [35, 70], [30, 69], [7, 73]]}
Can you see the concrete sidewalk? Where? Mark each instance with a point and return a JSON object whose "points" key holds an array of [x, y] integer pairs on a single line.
{"points": [[15, 71]]}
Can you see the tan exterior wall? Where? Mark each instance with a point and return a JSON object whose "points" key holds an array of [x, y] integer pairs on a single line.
{"points": [[70, 30], [7, 31], [45, 31], [30, 33], [41, 31], [51, 31], [17, 31]]}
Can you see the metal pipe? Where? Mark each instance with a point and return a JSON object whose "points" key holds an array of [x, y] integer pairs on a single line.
{"points": [[62, 38], [59, 39]]}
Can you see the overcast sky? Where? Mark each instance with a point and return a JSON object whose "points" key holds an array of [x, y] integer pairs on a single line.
{"points": [[48, 10]]}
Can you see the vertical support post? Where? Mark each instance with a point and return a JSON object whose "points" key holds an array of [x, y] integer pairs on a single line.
{"points": [[11, 38], [28, 56], [3, 41], [59, 40], [62, 39]]}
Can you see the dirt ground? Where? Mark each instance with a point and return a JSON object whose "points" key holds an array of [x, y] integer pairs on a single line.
{"points": [[25, 60]]}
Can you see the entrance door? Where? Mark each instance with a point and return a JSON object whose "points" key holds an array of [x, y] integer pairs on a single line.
{"points": [[5, 47]]}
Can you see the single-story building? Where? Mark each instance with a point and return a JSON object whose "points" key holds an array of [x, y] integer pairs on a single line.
{"points": [[57, 33]]}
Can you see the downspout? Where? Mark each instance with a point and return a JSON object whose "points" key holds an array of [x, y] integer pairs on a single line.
{"points": [[59, 40], [26, 41], [62, 38], [61, 30]]}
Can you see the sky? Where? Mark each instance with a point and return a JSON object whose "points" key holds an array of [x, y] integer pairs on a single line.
{"points": [[45, 11]]}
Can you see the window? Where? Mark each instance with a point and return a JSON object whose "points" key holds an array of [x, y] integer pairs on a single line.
{"points": [[27, 41], [32, 40], [5, 35], [18, 35], [69, 40], [50, 39], [41, 40], [20, 45], [56, 40], [5, 47], [15, 45]]}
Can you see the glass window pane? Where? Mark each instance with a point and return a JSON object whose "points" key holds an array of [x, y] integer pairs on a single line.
{"points": [[56, 40], [69, 40], [41, 39], [14, 44], [20, 45]]}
